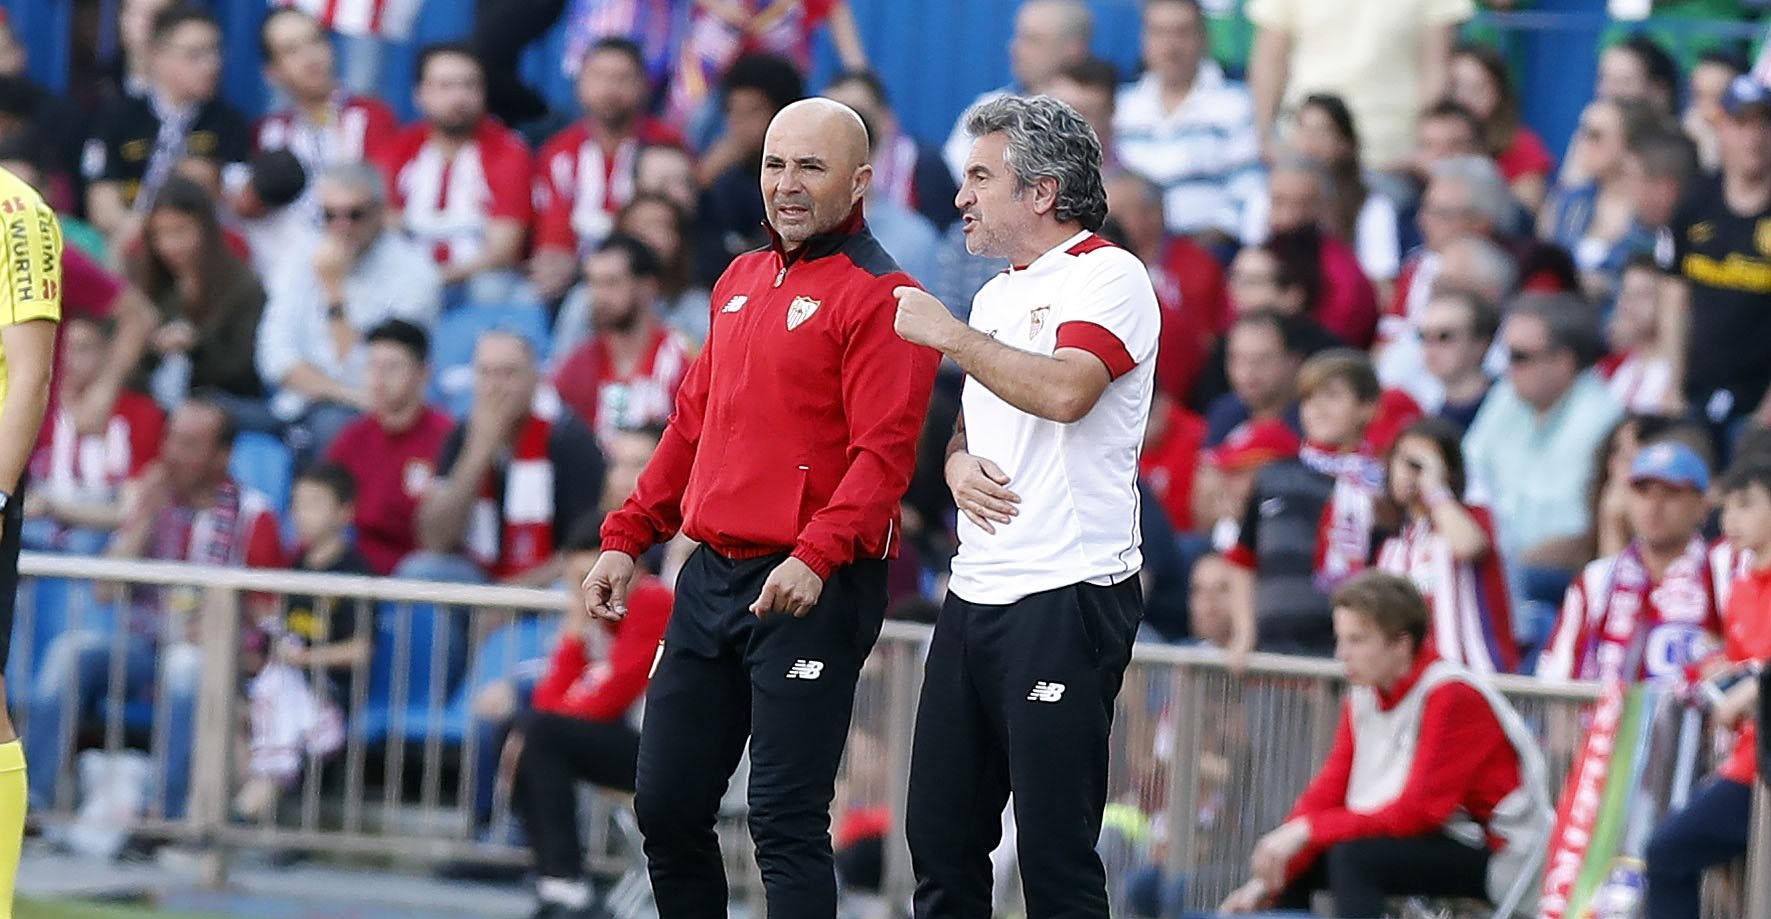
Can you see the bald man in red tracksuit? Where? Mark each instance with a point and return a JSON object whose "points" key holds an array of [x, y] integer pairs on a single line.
{"points": [[793, 441]]}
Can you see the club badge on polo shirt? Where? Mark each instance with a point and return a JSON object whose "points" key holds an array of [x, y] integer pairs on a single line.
{"points": [[735, 304], [800, 310], [1036, 320]]}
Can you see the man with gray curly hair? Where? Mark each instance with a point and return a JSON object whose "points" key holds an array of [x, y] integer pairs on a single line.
{"points": [[1044, 600]]}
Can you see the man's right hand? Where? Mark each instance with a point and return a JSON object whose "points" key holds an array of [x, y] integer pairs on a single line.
{"points": [[494, 416], [1246, 899], [605, 588], [979, 490]]}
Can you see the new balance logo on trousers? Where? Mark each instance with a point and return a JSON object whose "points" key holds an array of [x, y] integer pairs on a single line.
{"points": [[805, 670], [1046, 692]]}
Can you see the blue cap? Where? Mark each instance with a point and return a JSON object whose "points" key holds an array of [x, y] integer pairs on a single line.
{"points": [[1673, 463], [1743, 91]]}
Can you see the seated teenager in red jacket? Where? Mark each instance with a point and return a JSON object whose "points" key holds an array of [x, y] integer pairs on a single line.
{"points": [[1462, 815], [578, 730]]}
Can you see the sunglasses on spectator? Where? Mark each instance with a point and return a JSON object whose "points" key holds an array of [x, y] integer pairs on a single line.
{"points": [[1440, 336], [1518, 357], [356, 214]]}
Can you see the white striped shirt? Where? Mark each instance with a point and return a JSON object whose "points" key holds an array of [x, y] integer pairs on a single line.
{"points": [[1204, 153]]}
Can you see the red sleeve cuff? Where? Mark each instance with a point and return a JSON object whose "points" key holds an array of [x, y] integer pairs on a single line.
{"points": [[1099, 341], [817, 562], [1241, 556], [626, 545]]}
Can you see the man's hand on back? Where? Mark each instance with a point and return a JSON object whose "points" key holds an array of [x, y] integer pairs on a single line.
{"points": [[980, 490]]}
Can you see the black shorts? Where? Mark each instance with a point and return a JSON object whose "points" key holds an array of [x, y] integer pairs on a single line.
{"points": [[11, 540]]}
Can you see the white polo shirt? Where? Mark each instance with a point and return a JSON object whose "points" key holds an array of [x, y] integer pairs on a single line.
{"points": [[1078, 482]]}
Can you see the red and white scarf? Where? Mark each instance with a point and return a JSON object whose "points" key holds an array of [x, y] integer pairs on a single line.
{"points": [[521, 537], [1631, 624], [87, 467], [1344, 546]]}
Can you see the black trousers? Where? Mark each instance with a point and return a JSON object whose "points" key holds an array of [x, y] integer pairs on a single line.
{"points": [[1363, 873], [786, 684], [558, 753], [1018, 697], [12, 523]]}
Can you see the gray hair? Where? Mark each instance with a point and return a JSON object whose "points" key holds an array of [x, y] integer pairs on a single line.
{"points": [[1048, 140], [1078, 21], [1571, 323], [1292, 161], [1481, 179], [1494, 271], [359, 177]]}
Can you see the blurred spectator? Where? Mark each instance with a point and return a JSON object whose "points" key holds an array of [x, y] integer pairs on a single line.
{"points": [[1479, 265], [669, 172], [754, 89], [1703, 107], [459, 180], [1639, 70], [276, 210], [360, 273], [1351, 210], [1660, 166], [22, 154], [1365, 834], [1049, 35], [1591, 220], [1715, 325], [1482, 83], [1465, 197], [76, 496], [141, 140], [209, 303], [1652, 610], [1210, 592], [1552, 406], [666, 170], [314, 649], [1170, 458], [1387, 58], [1445, 131], [585, 174], [323, 125], [509, 484], [1089, 87], [1263, 352], [1609, 496], [1280, 275], [1456, 331], [1713, 827], [1228, 474], [49, 118], [1188, 127], [391, 450], [363, 29], [1639, 373], [183, 507], [1309, 521], [1299, 192], [904, 172], [719, 34], [663, 225], [626, 373], [1189, 284], [1447, 549], [579, 729]]}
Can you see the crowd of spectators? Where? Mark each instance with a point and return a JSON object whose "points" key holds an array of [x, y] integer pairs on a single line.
{"points": [[1399, 331]]}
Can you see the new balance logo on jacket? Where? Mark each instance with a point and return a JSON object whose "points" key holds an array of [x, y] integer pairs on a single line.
{"points": [[805, 670], [1046, 692]]}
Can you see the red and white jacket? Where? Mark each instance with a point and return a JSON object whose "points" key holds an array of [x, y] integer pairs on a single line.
{"points": [[1472, 623], [357, 127], [607, 401], [93, 467], [580, 184], [578, 687], [447, 200], [1441, 751]]}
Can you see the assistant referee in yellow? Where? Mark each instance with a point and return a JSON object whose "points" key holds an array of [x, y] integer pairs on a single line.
{"points": [[30, 307]]}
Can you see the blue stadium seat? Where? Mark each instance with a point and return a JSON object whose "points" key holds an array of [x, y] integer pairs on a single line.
{"points": [[500, 655], [264, 463], [427, 627], [452, 344]]}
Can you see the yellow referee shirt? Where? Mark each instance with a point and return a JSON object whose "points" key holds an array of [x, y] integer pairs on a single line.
{"points": [[31, 238]]}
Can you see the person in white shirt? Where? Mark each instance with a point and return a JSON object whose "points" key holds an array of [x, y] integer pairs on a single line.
{"points": [[1050, 35], [1044, 600], [1187, 127], [357, 275]]}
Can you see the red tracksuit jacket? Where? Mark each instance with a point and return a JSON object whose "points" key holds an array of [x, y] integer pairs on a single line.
{"points": [[796, 428]]}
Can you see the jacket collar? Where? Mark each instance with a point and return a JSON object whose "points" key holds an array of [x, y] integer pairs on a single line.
{"points": [[822, 244], [1388, 698]]}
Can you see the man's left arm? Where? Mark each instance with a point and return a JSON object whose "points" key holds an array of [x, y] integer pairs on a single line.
{"points": [[1108, 326], [886, 383]]}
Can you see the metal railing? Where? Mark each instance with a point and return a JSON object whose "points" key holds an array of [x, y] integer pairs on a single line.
{"points": [[1203, 761]]}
